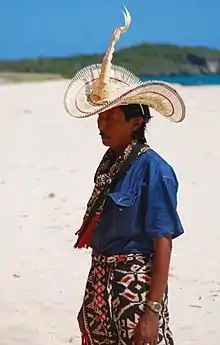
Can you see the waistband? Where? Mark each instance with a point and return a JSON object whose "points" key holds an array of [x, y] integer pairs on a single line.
{"points": [[119, 257]]}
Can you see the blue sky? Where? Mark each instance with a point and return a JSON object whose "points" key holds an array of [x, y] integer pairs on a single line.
{"points": [[34, 28]]}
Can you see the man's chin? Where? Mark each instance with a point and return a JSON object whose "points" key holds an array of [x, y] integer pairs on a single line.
{"points": [[106, 142]]}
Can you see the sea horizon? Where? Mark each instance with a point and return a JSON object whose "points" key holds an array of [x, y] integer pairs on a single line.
{"points": [[211, 79]]}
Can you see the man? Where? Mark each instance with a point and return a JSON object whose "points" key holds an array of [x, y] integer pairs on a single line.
{"points": [[131, 216]]}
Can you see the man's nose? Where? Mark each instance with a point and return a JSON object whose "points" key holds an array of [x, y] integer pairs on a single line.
{"points": [[101, 125]]}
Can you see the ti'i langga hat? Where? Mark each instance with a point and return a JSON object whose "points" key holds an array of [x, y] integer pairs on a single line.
{"points": [[99, 87]]}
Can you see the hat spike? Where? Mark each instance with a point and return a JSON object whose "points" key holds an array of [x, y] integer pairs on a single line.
{"points": [[100, 90]]}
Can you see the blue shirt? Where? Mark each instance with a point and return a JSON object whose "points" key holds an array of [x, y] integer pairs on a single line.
{"points": [[141, 208]]}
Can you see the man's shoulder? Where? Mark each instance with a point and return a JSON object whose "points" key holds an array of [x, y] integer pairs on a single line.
{"points": [[158, 166]]}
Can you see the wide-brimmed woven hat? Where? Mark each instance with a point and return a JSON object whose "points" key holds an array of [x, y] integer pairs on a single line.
{"points": [[100, 87]]}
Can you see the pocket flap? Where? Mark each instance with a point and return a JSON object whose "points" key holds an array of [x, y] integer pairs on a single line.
{"points": [[122, 199]]}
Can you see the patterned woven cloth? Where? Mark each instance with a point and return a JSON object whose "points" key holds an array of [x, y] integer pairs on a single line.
{"points": [[115, 299]]}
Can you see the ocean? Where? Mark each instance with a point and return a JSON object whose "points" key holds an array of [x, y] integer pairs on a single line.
{"points": [[213, 79]]}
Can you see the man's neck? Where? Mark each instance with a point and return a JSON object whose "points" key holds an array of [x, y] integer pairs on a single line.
{"points": [[119, 150]]}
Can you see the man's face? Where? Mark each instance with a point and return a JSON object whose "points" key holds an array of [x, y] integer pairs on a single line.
{"points": [[116, 132]]}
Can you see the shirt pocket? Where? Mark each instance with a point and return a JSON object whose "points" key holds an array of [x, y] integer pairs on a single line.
{"points": [[124, 211]]}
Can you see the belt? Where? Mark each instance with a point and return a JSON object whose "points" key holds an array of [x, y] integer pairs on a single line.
{"points": [[117, 258]]}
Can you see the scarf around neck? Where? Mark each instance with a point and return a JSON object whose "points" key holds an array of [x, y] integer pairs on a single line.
{"points": [[108, 173]]}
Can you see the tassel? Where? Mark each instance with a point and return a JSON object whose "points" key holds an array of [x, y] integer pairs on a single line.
{"points": [[84, 220], [85, 339], [86, 238]]}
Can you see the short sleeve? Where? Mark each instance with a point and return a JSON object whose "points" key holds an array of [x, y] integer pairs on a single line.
{"points": [[161, 217]]}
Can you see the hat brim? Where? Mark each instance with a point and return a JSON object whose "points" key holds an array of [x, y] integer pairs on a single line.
{"points": [[126, 88]]}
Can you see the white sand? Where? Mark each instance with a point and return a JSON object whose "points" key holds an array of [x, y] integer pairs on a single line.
{"points": [[44, 151]]}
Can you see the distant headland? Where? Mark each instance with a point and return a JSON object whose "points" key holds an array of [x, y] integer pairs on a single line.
{"points": [[143, 60]]}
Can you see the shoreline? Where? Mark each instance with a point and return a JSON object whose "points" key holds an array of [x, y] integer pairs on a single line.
{"points": [[184, 80]]}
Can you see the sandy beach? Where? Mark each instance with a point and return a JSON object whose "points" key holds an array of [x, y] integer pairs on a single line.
{"points": [[47, 164]]}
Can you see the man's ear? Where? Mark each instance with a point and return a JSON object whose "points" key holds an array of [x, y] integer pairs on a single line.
{"points": [[137, 122]]}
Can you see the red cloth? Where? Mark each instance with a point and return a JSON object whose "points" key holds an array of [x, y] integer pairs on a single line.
{"points": [[85, 240]]}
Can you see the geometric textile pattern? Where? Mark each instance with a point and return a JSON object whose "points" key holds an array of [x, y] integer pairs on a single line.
{"points": [[115, 299]]}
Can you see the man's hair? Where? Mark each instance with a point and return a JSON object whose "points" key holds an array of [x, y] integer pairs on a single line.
{"points": [[136, 110]]}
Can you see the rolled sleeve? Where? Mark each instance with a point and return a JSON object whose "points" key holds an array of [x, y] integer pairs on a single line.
{"points": [[162, 218]]}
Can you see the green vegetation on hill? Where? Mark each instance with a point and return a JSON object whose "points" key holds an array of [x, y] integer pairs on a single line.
{"points": [[145, 59]]}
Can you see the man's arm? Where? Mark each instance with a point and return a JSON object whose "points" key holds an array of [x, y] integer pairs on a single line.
{"points": [[160, 268], [162, 224]]}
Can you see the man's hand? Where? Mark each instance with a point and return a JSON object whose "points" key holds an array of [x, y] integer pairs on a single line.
{"points": [[146, 331]]}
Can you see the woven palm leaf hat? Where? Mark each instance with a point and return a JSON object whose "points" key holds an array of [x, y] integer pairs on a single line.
{"points": [[100, 87]]}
